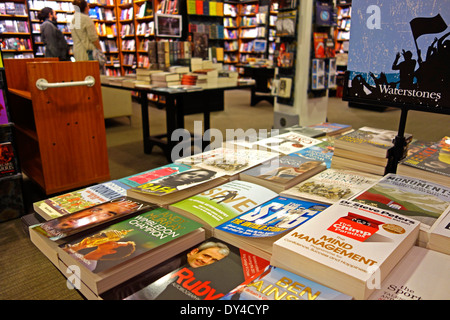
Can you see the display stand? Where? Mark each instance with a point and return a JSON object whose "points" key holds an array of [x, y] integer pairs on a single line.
{"points": [[60, 128]]}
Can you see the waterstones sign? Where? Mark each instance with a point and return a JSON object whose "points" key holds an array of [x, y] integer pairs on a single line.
{"points": [[399, 52]]}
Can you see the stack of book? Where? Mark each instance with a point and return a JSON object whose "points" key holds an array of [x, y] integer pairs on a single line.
{"points": [[165, 79], [430, 162], [366, 149]]}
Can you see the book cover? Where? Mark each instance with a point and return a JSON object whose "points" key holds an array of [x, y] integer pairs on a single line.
{"points": [[206, 272], [372, 141], [349, 247], [84, 198], [331, 128], [440, 234], [225, 202], [278, 284], [411, 197], [287, 142], [76, 222], [7, 159], [228, 161], [273, 217], [147, 176], [173, 183], [283, 172], [108, 257], [322, 151], [306, 131], [417, 277], [331, 185]]}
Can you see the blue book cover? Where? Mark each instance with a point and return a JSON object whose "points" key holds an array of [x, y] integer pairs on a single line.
{"points": [[273, 217]]}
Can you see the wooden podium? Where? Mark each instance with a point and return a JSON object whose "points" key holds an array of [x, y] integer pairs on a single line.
{"points": [[57, 111]]}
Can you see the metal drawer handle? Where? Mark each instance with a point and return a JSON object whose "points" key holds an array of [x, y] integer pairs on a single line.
{"points": [[42, 84]]}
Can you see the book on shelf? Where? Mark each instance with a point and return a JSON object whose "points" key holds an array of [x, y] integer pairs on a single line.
{"points": [[77, 200], [220, 204], [322, 151], [228, 161], [306, 131], [275, 283], [207, 271], [178, 186], [410, 197], [349, 247], [370, 141], [439, 236], [257, 229], [331, 128], [342, 163], [107, 257], [331, 185], [430, 163], [8, 164], [421, 274], [283, 172], [286, 142], [76, 222]]}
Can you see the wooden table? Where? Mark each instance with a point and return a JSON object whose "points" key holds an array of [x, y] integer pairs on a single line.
{"points": [[178, 103]]}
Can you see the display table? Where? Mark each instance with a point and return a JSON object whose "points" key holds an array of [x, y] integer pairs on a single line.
{"points": [[178, 103]]}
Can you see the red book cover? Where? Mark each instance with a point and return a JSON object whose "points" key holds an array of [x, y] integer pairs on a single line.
{"points": [[199, 6]]}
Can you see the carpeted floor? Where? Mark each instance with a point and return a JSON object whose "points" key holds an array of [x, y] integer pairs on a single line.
{"points": [[26, 274]]}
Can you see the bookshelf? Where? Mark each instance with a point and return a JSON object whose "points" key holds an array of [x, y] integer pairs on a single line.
{"points": [[126, 32], [145, 30], [15, 29], [342, 36], [231, 29]]}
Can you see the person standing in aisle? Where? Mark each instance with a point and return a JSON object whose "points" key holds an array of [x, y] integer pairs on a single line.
{"points": [[52, 37], [84, 34]]}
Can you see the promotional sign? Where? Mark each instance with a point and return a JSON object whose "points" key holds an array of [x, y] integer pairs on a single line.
{"points": [[399, 53]]}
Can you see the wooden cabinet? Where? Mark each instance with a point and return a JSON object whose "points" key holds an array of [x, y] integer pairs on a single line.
{"points": [[60, 132]]}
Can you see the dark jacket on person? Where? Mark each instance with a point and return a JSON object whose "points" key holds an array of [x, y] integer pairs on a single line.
{"points": [[54, 41]]}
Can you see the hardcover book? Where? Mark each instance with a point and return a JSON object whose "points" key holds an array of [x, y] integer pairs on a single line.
{"points": [[331, 185], [207, 271], [349, 247], [121, 251], [78, 221], [371, 141], [178, 186], [258, 228], [74, 201], [283, 172], [217, 205], [422, 274], [411, 197], [278, 284]]}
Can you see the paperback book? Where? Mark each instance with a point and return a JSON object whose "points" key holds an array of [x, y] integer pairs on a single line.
{"points": [[331, 128], [278, 284], [331, 185], [287, 143], [207, 271], [440, 234], [121, 251], [7, 159], [74, 201], [258, 228], [349, 247], [220, 204], [228, 161], [76, 222], [283, 172], [322, 151], [157, 173], [411, 197], [178, 186], [422, 274], [370, 141], [306, 131]]}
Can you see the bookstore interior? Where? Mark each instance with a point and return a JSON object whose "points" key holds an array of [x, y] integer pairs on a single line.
{"points": [[309, 209]]}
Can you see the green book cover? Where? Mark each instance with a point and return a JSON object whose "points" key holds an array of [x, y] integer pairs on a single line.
{"points": [[128, 239], [220, 204]]}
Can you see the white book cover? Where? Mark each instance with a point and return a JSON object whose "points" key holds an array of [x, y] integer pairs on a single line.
{"points": [[440, 234], [332, 185], [228, 161], [287, 142], [422, 274], [347, 247]]}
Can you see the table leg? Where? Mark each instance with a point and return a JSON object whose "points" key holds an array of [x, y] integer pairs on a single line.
{"points": [[145, 122]]}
